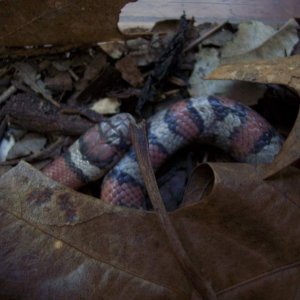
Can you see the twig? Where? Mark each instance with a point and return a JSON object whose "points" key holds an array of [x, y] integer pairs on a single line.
{"points": [[204, 37], [27, 112], [3, 126], [195, 276], [72, 73], [7, 93]]}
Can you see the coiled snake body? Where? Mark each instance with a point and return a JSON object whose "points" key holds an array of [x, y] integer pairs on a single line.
{"points": [[227, 124]]}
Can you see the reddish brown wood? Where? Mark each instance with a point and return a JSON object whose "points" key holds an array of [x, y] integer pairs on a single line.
{"points": [[147, 12]]}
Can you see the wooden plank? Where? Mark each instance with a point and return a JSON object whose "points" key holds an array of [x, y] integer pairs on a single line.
{"points": [[147, 12]]}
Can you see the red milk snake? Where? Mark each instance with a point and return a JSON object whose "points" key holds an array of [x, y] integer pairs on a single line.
{"points": [[227, 124]]}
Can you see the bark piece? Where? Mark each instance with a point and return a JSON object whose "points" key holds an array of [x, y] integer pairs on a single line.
{"points": [[36, 115], [60, 82]]}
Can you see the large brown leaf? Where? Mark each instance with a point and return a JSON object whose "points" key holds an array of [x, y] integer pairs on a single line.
{"points": [[30, 22], [244, 235]]}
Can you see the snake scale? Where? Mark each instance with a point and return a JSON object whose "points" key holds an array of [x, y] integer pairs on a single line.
{"points": [[227, 124]]}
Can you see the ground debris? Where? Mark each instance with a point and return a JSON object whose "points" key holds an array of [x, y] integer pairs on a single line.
{"points": [[151, 68], [31, 113], [163, 67], [130, 71], [220, 200], [28, 74], [252, 41]]}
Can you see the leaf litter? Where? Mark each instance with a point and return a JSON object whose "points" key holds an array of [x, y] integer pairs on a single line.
{"points": [[236, 224], [267, 43]]}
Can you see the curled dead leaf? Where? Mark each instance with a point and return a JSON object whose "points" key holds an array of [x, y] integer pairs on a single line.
{"points": [[289, 153], [284, 71]]}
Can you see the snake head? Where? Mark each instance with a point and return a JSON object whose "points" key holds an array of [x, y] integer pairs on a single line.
{"points": [[115, 130]]}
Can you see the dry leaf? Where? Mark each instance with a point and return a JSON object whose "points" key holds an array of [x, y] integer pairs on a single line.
{"points": [[94, 69], [58, 243], [219, 39], [145, 52], [61, 22], [129, 70], [31, 143], [106, 106], [115, 49], [249, 36], [6, 144], [208, 60], [164, 26], [29, 75], [279, 44], [277, 71], [60, 82]]}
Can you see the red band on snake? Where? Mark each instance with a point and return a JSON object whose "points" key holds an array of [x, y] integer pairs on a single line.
{"points": [[229, 125]]}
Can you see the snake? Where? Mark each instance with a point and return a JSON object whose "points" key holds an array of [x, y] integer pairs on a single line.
{"points": [[106, 150]]}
